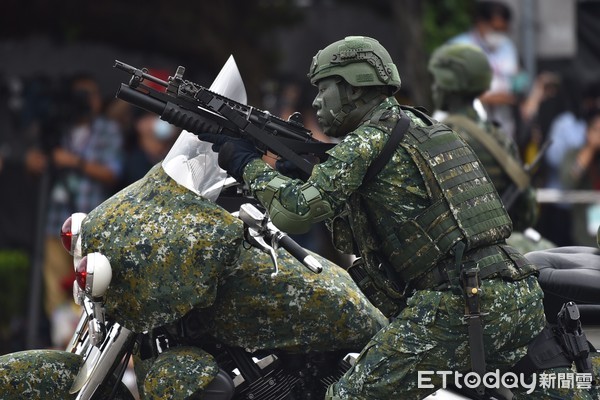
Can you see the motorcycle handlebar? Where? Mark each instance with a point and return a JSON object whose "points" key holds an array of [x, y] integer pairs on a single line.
{"points": [[259, 221]]}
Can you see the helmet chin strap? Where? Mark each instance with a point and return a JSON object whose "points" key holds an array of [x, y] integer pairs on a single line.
{"points": [[344, 89], [351, 112]]}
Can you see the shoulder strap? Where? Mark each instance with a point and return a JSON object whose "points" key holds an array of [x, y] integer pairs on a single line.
{"points": [[509, 164], [389, 148]]}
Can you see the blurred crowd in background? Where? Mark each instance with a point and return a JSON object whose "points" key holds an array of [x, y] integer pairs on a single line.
{"points": [[65, 146]]}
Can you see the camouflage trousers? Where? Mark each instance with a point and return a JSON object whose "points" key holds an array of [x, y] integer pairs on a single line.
{"points": [[429, 335]]}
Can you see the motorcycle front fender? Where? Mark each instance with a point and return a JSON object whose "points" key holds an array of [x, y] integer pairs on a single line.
{"points": [[42, 375], [38, 374]]}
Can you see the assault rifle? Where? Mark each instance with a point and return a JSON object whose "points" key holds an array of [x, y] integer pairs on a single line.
{"points": [[198, 110]]}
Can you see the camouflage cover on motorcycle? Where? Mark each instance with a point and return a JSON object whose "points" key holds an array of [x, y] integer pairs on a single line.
{"points": [[296, 310], [179, 372], [167, 247], [43, 375], [172, 250]]}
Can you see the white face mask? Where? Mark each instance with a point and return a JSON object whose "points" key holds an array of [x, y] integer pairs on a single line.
{"points": [[494, 39], [162, 129]]}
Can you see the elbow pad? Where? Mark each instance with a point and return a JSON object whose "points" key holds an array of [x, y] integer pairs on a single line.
{"points": [[289, 221]]}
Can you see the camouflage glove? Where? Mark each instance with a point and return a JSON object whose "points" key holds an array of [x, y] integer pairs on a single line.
{"points": [[234, 153]]}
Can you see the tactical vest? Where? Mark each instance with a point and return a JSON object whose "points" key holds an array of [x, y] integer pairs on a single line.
{"points": [[502, 164], [465, 207], [495, 171]]}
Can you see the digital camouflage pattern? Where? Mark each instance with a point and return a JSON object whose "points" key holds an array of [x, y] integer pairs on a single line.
{"points": [[500, 178], [297, 310], [167, 247], [430, 335], [460, 74], [383, 212], [401, 193], [178, 373], [524, 212], [340, 176], [42, 375]]}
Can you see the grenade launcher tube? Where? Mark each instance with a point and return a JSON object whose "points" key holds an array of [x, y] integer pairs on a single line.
{"points": [[170, 112]]}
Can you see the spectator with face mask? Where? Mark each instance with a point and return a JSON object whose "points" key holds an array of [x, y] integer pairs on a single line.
{"points": [[489, 33], [153, 139], [84, 166]]}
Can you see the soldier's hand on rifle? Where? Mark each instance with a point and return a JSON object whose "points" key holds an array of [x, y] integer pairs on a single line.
{"points": [[234, 153], [289, 169]]}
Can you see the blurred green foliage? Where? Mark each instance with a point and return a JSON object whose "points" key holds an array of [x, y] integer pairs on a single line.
{"points": [[14, 275], [440, 19], [445, 19]]}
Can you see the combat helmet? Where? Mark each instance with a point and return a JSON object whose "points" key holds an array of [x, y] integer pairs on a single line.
{"points": [[461, 68], [359, 60]]}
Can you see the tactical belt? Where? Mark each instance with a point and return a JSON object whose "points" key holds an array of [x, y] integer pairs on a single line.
{"points": [[493, 261]]}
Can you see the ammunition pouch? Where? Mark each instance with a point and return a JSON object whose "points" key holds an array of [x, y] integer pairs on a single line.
{"points": [[389, 300]]}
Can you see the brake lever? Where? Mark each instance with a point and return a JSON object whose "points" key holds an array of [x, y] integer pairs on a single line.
{"points": [[257, 240], [260, 223]]}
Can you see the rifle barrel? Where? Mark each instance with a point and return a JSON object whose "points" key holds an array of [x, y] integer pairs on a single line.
{"points": [[139, 72]]}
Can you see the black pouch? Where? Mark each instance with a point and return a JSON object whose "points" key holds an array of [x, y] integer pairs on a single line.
{"points": [[387, 305]]}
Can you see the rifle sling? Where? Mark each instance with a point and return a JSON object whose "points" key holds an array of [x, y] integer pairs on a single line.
{"points": [[511, 166], [388, 149]]}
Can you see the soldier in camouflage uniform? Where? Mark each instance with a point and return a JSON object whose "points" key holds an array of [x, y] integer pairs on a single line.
{"points": [[430, 209], [461, 73]]}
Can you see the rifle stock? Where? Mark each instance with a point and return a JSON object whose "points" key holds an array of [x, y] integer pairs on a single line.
{"points": [[196, 109]]}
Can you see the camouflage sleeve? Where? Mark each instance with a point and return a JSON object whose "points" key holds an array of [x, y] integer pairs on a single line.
{"points": [[335, 179]]}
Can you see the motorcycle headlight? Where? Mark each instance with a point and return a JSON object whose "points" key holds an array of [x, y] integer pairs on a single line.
{"points": [[69, 232], [93, 274]]}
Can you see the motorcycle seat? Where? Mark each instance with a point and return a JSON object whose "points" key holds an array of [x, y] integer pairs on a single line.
{"points": [[570, 273]]}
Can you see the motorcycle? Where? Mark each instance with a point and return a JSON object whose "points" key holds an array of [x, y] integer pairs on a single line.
{"points": [[161, 277]]}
